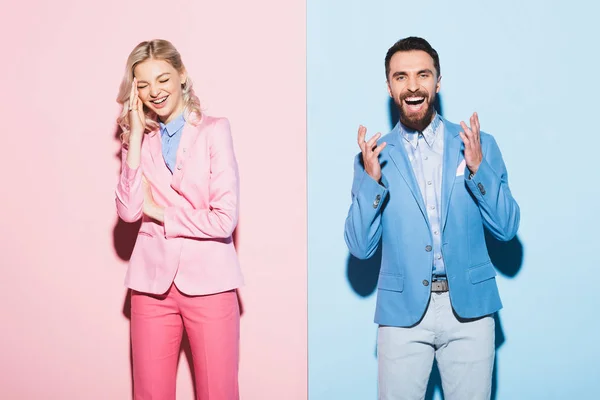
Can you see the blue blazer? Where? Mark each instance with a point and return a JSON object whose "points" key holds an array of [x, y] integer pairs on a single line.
{"points": [[393, 215]]}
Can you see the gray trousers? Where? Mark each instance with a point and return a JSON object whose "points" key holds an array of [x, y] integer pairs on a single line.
{"points": [[464, 351]]}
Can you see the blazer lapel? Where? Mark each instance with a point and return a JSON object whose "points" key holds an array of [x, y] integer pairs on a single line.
{"points": [[452, 146], [162, 171], [400, 159], [188, 137], [156, 147]]}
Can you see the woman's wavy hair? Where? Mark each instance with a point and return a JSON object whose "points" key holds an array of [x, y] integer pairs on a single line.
{"points": [[156, 49]]}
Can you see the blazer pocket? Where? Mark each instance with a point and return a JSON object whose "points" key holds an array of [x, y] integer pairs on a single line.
{"points": [[394, 283], [482, 272]]}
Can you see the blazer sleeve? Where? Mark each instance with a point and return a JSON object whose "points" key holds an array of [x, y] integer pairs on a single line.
{"points": [[363, 224], [499, 210], [129, 193], [220, 219]]}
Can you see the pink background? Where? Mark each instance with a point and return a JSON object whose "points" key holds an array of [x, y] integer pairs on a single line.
{"points": [[64, 332]]}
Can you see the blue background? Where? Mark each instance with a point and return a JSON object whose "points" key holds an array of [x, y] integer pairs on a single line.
{"points": [[530, 70]]}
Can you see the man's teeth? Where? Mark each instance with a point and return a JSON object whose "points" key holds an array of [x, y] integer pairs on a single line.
{"points": [[159, 101], [414, 101]]}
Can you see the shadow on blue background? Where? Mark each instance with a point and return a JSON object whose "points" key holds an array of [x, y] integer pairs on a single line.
{"points": [[507, 257]]}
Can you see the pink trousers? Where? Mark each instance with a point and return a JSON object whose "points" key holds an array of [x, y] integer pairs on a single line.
{"points": [[212, 324]]}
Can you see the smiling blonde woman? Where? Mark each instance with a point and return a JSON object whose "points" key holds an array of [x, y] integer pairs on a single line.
{"points": [[180, 176]]}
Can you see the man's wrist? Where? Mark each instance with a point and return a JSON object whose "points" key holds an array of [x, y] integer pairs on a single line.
{"points": [[375, 177], [473, 171]]}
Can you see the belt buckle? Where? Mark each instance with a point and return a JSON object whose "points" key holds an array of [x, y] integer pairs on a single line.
{"points": [[439, 286]]}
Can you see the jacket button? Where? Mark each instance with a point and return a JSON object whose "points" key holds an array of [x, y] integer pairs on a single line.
{"points": [[425, 282], [481, 188], [428, 248], [377, 201]]}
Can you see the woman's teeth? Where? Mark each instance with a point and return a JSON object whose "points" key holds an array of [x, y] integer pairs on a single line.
{"points": [[160, 100]]}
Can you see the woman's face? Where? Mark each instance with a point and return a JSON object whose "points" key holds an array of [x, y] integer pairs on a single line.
{"points": [[159, 88]]}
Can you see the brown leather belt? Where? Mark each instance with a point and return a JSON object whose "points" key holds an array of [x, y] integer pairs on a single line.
{"points": [[439, 286]]}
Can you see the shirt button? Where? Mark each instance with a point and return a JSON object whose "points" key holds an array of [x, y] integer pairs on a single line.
{"points": [[428, 248], [179, 166], [439, 256], [429, 182], [436, 233], [184, 149], [426, 158], [432, 207], [425, 282]]}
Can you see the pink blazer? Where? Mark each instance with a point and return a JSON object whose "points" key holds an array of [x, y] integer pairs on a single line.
{"points": [[194, 247]]}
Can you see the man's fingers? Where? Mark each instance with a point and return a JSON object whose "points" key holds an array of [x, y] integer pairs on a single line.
{"points": [[362, 131], [379, 148], [476, 123], [464, 126], [465, 139], [466, 129], [371, 143]]}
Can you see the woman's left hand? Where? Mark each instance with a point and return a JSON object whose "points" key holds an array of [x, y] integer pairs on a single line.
{"points": [[151, 209]]}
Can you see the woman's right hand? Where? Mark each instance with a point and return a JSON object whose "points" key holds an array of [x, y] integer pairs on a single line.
{"points": [[137, 126], [137, 119]]}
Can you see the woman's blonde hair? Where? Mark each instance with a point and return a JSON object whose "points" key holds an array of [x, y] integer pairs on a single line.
{"points": [[156, 49]]}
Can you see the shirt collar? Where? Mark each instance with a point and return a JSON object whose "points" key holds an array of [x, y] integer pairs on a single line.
{"points": [[172, 127], [429, 133]]}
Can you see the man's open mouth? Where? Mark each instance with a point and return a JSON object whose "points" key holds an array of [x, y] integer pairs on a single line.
{"points": [[414, 101]]}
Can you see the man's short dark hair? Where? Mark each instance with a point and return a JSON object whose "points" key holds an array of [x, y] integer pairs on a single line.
{"points": [[410, 44]]}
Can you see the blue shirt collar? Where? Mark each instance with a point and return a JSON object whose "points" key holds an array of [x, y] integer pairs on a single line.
{"points": [[172, 127], [429, 133]]}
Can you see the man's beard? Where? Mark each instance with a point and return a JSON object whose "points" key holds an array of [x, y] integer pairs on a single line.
{"points": [[417, 121]]}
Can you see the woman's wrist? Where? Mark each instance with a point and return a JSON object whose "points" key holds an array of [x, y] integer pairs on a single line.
{"points": [[135, 136]]}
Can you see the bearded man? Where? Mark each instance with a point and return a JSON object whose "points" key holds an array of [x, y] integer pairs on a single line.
{"points": [[426, 192]]}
